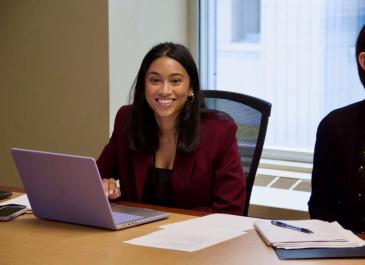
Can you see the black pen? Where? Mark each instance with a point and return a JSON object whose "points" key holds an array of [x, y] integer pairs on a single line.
{"points": [[296, 228]]}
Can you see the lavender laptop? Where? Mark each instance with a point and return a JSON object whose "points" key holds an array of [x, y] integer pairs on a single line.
{"points": [[68, 188]]}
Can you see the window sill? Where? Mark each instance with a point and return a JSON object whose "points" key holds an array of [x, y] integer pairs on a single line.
{"points": [[281, 188]]}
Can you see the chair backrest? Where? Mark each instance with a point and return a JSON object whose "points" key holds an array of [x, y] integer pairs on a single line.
{"points": [[251, 116]]}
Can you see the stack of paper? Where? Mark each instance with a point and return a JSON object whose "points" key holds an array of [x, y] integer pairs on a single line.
{"points": [[197, 233], [325, 235]]}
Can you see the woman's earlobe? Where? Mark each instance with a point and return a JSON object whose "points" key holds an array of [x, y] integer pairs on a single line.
{"points": [[361, 60]]}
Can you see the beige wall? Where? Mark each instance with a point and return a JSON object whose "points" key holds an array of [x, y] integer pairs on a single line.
{"points": [[53, 78]]}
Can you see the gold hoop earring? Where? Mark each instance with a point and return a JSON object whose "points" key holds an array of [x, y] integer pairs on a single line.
{"points": [[191, 97]]}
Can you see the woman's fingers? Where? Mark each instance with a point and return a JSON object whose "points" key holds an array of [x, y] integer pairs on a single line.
{"points": [[111, 188]]}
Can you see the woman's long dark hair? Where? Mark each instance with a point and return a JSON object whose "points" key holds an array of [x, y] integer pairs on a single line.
{"points": [[360, 47], [143, 131]]}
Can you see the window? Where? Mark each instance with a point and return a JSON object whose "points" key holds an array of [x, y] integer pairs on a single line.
{"points": [[245, 21], [297, 54]]}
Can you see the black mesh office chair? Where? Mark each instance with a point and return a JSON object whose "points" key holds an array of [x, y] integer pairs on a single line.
{"points": [[252, 116]]}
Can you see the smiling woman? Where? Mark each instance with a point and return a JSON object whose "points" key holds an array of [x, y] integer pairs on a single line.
{"points": [[166, 148], [167, 90]]}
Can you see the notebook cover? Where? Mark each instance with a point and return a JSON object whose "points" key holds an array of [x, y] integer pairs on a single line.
{"points": [[320, 253]]}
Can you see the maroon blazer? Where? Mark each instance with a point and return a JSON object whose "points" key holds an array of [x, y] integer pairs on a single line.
{"points": [[208, 179]]}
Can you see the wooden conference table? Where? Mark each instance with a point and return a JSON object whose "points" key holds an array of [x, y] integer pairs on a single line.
{"points": [[28, 240]]}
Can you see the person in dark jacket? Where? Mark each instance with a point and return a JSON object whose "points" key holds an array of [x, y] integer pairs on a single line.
{"points": [[166, 149], [338, 177]]}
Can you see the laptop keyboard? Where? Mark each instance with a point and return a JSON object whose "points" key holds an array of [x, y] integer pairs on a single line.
{"points": [[120, 218]]}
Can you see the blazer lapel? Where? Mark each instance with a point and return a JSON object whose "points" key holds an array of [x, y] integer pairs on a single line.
{"points": [[141, 163], [183, 168]]}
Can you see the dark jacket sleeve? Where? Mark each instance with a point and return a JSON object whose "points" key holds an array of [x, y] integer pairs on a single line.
{"points": [[229, 188]]}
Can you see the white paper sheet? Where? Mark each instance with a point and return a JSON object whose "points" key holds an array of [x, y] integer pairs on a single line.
{"points": [[183, 240], [197, 233], [215, 221]]}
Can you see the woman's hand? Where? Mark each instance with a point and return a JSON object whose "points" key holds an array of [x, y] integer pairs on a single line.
{"points": [[111, 189]]}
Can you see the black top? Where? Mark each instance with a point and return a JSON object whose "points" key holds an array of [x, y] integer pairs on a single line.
{"points": [[158, 186], [338, 176]]}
